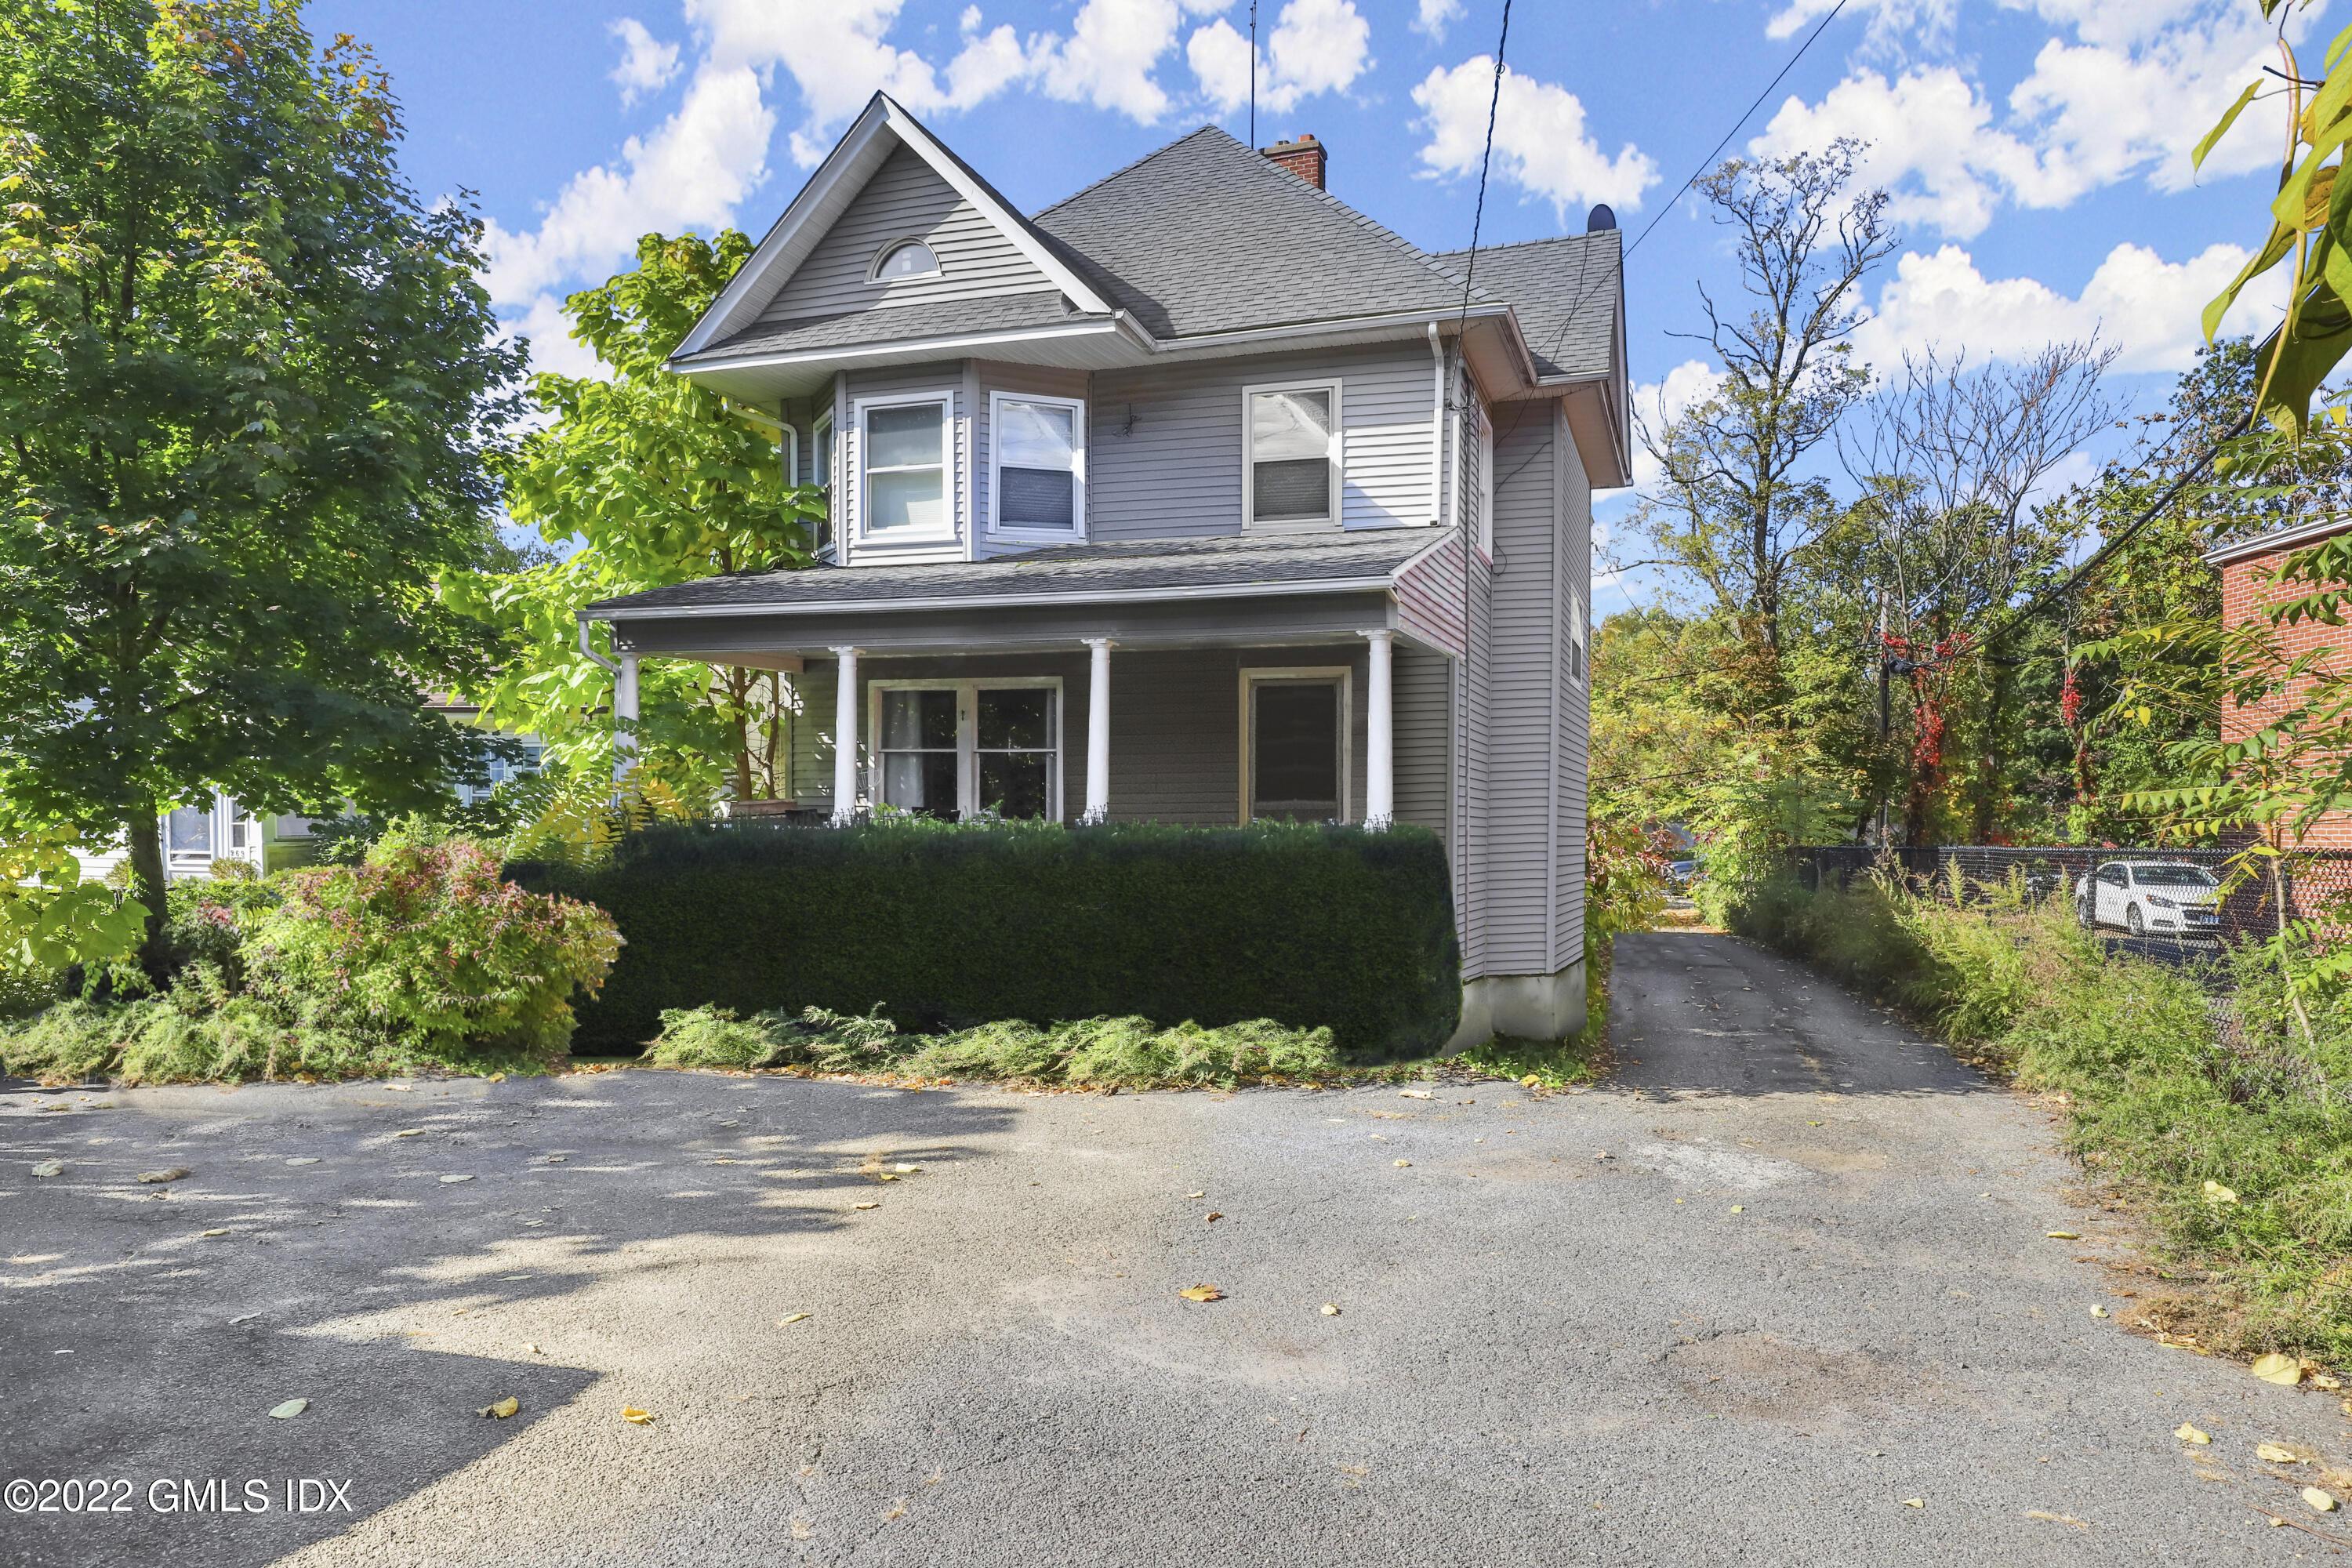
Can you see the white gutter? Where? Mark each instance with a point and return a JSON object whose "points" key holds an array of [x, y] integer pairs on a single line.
{"points": [[591, 652], [1400, 319], [930, 347], [1042, 598]]}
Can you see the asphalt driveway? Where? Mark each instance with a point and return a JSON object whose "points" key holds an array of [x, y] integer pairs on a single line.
{"points": [[1783, 1277]]}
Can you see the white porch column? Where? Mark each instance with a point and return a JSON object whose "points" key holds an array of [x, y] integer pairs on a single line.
{"points": [[1097, 733], [625, 714], [1380, 741], [844, 740]]}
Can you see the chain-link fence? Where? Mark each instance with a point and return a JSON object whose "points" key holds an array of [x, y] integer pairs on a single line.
{"points": [[2195, 895]]}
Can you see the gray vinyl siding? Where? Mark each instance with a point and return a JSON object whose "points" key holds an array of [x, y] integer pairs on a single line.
{"points": [[1176, 729], [1177, 472], [1575, 731], [995, 376], [949, 377], [1524, 747], [905, 199], [1422, 716], [813, 734]]}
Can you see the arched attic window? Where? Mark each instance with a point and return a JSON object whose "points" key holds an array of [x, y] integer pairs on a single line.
{"points": [[903, 259]]}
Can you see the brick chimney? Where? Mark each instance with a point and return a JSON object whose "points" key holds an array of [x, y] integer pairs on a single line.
{"points": [[1302, 156]]}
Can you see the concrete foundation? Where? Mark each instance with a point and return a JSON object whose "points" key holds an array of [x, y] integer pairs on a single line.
{"points": [[1531, 1006]]}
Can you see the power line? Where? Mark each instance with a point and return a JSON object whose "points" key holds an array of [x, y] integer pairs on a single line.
{"points": [[1746, 114]]}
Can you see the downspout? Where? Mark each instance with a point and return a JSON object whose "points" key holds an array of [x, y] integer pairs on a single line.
{"points": [[1436, 428]]}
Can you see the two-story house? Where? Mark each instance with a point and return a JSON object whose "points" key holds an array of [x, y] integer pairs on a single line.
{"points": [[1199, 498]]}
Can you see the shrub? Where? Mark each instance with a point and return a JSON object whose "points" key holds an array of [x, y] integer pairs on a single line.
{"points": [[423, 942], [950, 926], [1124, 1052]]}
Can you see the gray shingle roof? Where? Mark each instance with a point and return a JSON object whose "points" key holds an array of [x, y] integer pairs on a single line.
{"points": [[893, 323], [1058, 571], [1205, 236], [1565, 291]]}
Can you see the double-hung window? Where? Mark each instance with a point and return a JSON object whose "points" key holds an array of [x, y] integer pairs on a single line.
{"points": [[906, 491], [1291, 456], [953, 749], [821, 475], [1037, 466], [1576, 640]]}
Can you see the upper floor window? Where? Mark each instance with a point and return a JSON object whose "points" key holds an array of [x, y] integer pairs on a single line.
{"points": [[1037, 458], [902, 462], [908, 258], [821, 476], [1290, 460]]}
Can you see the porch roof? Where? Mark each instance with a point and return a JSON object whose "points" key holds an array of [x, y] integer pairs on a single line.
{"points": [[1139, 571]]}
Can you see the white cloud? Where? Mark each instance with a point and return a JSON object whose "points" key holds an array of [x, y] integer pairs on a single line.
{"points": [[647, 64], [1435, 15], [2143, 305], [1316, 46], [2129, 96], [552, 346], [1540, 142], [1660, 404], [689, 172]]}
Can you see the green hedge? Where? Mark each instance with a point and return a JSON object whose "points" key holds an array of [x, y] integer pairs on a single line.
{"points": [[947, 927]]}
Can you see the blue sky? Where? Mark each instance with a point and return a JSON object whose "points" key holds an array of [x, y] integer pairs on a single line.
{"points": [[2037, 149]]}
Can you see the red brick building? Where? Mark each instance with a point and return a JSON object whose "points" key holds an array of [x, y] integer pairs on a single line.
{"points": [[2247, 568]]}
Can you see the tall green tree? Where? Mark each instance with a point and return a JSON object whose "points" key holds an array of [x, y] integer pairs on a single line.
{"points": [[643, 479], [247, 382]]}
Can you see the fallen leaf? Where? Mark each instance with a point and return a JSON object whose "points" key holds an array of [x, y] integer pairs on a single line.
{"points": [[2064, 1235], [531, 1349], [906, 1170], [221, 1231], [2215, 1193], [173, 1175], [1331, 1309], [1196, 1194], [885, 1176], [1740, 1208], [636, 1417], [2097, 1310], [400, 1088], [2057, 1518], [1203, 1293], [1400, 1163], [2188, 1434], [2283, 1370], [1914, 1502], [2277, 1454], [50, 1168], [2319, 1499], [502, 1409], [304, 1160], [1412, 1094], [790, 1318], [447, 1180], [2320, 1380], [410, 1132], [499, 1077], [1215, 1216], [291, 1409], [865, 1206]]}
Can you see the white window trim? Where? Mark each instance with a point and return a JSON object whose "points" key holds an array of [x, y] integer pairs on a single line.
{"points": [[1579, 634], [950, 491], [1077, 407], [1345, 677], [890, 248], [827, 480], [1339, 461], [968, 733]]}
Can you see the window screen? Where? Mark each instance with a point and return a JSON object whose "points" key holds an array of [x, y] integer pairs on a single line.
{"points": [[1036, 471], [904, 477], [1295, 750], [1015, 740], [1290, 457]]}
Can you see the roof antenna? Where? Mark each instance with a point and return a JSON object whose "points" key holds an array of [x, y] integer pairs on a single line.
{"points": [[1252, 75]]}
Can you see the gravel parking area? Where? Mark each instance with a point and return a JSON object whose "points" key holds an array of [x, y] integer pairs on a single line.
{"points": [[1781, 1291]]}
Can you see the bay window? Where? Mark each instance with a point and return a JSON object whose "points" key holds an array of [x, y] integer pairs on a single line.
{"points": [[905, 490]]}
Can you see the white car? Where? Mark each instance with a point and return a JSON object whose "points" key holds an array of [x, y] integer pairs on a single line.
{"points": [[2145, 896]]}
